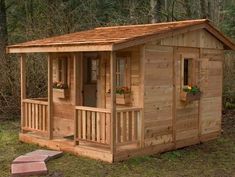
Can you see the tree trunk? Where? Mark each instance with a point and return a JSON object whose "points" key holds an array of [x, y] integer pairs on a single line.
{"points": [[187, 8], [3, 31], [203, 9], [159, 10], [132, 11], [156, 9]]}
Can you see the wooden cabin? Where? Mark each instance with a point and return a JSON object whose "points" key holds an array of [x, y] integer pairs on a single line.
{"points": [[118, 92]]}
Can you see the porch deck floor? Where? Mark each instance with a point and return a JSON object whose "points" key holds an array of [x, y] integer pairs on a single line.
{"points": [[92, 150]]}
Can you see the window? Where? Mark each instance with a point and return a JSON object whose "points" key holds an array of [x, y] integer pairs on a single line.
{"points": [[62, 71], [122, 72], [187, 71], [92, 70]]}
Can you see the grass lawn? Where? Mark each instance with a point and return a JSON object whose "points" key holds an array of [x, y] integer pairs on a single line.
{"points": [[215, 158]]}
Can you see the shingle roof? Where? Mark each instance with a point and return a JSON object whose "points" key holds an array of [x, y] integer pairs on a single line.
{"points": [[114, 35]]}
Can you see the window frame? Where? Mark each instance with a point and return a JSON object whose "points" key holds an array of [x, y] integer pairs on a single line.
{"points": [[62, 71], [127, 74], [90, 70], [191, 70]]}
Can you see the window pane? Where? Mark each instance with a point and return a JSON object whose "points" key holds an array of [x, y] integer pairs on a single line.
{"points": [[92, 70], [121, 72], [93, 65], [186, 71], [93, 75]]}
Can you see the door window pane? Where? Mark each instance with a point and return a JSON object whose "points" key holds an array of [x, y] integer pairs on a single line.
{"points": [[121, 72]]}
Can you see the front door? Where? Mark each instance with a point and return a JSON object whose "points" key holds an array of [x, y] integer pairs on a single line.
{"points": [[90, 80]]}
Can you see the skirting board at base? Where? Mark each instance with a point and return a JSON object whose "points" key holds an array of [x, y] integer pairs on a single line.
{"points": [[105, 155], [68, 147]]}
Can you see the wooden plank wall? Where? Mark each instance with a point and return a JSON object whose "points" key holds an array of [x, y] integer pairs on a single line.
{"points": [[135, 74], [199, 39], [211, 66], [186, 114], [64, 108], [158, 94], [182, 123]]}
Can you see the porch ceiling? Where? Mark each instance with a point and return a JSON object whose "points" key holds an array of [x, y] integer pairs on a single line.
{"points": [[116, 37]]}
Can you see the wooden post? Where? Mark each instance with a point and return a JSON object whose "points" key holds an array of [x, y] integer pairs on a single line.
{"points": [[113, 100], [50, 97], [75, 72], [23, 88], [174, 67], [141, 92]]}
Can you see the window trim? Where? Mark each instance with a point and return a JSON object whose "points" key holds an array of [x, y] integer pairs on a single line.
{"points": [[65, 69], [90, 70], [127, 76], [191, 73]]}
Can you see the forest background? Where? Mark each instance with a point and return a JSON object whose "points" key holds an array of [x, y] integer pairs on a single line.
{"points": [[23, 20]]}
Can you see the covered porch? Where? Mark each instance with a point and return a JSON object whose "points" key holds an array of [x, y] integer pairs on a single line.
{"points": [[102, 124]]}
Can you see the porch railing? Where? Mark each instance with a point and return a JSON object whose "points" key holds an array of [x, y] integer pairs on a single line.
{"points": [[128, 121], [93, 124], [35, 115]]}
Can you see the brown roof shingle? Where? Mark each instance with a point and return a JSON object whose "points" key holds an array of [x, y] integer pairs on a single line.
{"points": [[111, 35]]}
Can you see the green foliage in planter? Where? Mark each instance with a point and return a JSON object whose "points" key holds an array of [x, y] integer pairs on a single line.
{"points": [[193, 90]]}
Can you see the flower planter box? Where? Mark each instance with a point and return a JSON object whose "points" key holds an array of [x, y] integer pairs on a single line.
{"points": [[189, 97], [60, 93], [122, 99]]}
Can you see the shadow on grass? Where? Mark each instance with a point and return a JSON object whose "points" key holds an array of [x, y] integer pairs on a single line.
{"points": [[212, 159]]}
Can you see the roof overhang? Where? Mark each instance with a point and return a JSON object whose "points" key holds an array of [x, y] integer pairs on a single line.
{"points": [[58, 48], [227, 43], [125, 43]]}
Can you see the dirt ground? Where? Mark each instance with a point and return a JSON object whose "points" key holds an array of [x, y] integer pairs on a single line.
{"points": [[211, 159]]}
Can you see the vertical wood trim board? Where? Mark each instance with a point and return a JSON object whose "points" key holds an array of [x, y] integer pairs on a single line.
{"points": [[113, 100], [23, 87], [50, 96], [141, 101]]}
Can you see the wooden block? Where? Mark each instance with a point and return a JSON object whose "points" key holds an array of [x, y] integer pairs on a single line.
{"points": [[32, 158], [28, 169], [51, 154]]}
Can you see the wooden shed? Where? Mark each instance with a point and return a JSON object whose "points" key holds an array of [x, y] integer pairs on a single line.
{"points": [[122, 91]]}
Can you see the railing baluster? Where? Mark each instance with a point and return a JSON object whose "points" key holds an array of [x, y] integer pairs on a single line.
{"points": [[35, 115], [25, 115], [103, 123], [30, 116], [43, 118], [79, 124], [93, 122], [107, 132], [84, 124], [129, 125], [98, 125]]}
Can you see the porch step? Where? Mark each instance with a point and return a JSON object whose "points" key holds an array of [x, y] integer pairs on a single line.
{"points": [[49, 153], [33, 163], [32, 158], [28, 169]]}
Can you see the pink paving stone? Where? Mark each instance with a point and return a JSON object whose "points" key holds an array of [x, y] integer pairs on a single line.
{"points": [[33, 158], [27, 169], [51, 154]]}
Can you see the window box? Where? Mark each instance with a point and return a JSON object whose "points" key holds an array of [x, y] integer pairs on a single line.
{"points": [[189, 97], [60, 93], [121, 99]]}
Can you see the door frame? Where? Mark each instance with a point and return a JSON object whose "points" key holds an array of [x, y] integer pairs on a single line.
{"points": [[89, 56]]}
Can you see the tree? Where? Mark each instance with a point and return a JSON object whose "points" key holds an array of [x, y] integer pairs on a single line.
{"points": [[156, 10], [187, 8], [3, 30], [203, 9]]}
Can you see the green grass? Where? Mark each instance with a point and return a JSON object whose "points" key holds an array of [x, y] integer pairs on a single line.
{"points": [[212, 159]]}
